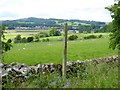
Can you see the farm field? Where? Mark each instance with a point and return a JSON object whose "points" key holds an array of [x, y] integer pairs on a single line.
{"points": [[51, 52], [26, 33], [10, 34], [33, 53]]}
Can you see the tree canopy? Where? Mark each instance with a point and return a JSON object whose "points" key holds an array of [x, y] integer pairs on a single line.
{"points": [[5, 45], [115, 30], [54, 32]]}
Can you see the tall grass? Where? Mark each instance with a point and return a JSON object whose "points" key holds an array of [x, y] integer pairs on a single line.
{"points": [[93, 76]]}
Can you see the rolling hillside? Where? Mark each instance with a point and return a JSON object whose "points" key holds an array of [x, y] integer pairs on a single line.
{"points": [[41, 23]]}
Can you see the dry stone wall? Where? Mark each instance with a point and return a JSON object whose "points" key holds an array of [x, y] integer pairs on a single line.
{"points": [[18, 70]]}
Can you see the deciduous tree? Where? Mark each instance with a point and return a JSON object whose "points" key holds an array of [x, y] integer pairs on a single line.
{"points": [[115, 30], [5, 45]]}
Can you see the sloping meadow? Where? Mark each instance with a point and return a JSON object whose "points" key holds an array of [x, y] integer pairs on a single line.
{"points": [[52, 51]]}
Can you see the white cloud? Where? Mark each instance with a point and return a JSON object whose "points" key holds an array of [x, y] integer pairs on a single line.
{"points": [[66, 9]]}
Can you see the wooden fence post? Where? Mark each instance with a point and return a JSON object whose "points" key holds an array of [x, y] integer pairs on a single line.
{"points": [[64, 52]]}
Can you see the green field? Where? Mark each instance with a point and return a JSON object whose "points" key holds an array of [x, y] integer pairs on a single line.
{"points": [[54, 38], [51, 52], [94, 76]]}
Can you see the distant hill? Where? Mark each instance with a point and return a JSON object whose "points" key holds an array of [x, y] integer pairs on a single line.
{"points": [[41, 23]]}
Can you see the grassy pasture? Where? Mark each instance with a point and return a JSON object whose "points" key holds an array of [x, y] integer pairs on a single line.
{"points": [[99, 76], [25, 33], [11, 34], [51, 52]]}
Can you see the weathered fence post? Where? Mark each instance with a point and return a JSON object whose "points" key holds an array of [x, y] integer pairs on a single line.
{"points": [[1, 41], [64, 52], [0, 54]]}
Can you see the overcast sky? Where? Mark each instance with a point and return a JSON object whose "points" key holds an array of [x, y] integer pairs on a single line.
{"points": [[61, 9]]}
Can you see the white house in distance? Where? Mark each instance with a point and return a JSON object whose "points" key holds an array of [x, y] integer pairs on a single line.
{"points": [[69, 31], [73, 31]]}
